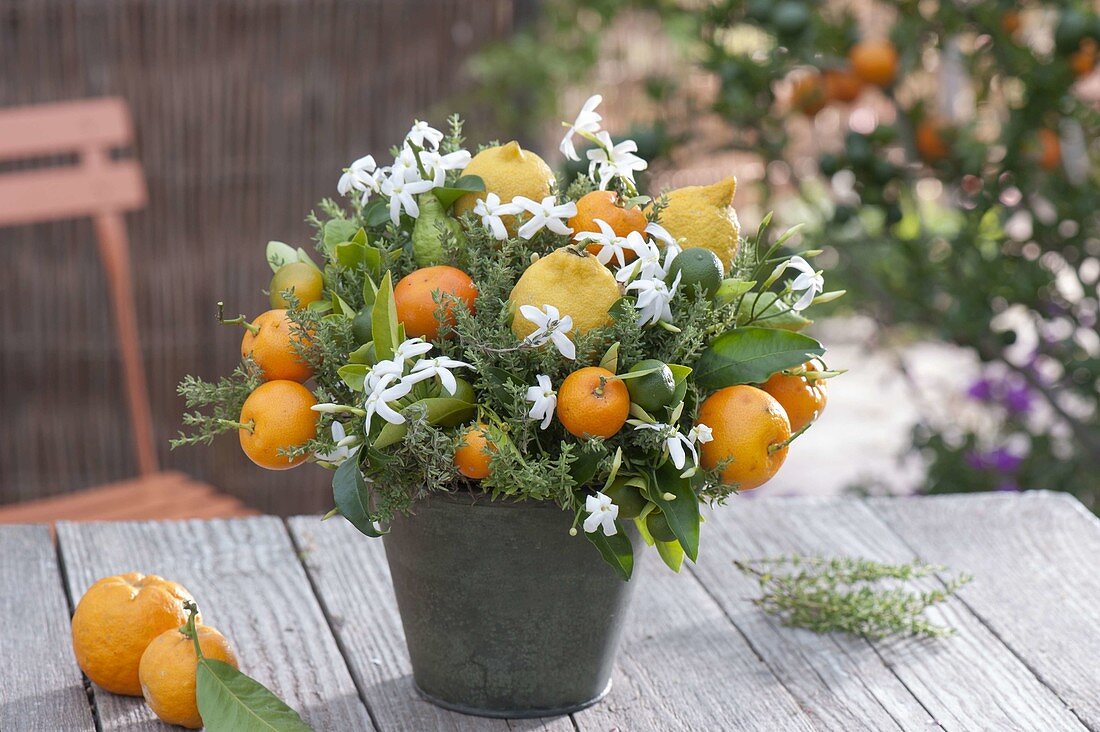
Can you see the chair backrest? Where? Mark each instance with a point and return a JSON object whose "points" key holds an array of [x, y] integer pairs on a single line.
{"points": [[60, 161], [94, 183]]}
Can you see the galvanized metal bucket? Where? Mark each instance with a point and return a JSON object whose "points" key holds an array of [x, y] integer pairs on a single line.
{"points": [[505, 613]]}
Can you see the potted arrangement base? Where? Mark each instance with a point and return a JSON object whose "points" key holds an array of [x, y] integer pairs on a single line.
{"points": [[505, 614], [518, 374]]}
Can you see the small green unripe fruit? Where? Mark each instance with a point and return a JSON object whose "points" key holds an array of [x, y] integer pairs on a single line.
{"points": [[362, 329], [696, 266], [306, 281], [655, 390], [627, 497], [658, 527]]}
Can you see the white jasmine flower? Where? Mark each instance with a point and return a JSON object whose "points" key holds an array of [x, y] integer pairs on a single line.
{"points": [[611, 244], [588, 121], [437, 165], [550, 325], [602, 513], [378, 402], [410, 348], [653, 300], [424, 136], [701, 434], [402, 186], [647, 264], [439, 366], [344, 446], [610, 160], [546, 213], [809, 282], [544, 400], [359, 176], [676, 442], [383, 373], [660, 233], [490, 209]]}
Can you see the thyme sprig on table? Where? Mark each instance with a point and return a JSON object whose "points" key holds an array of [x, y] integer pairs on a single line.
{"points": [[849, 595]]}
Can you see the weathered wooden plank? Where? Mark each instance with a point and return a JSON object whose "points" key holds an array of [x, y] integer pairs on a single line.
{"points": [[968, 681], [1035, 558], [353, 583], [683, 666], [248, 581], [41, 687], [841, 681]]}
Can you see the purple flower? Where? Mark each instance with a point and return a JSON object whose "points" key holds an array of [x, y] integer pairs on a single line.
{"points": [[999, 460], [1017, 398], [981, 390]]}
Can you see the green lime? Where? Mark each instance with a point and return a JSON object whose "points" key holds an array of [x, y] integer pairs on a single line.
{"points": [[652, 391], [362, 330], [658, 527], [696, 266], [305, 280], [627, 497]]}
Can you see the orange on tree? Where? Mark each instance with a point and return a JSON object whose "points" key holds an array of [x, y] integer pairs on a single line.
{"points": [[1083, 60], [277, 415], [416, 302], [473, 454], [842, 85], [606, 206], [1050, 149], [874, 61], [750, 432], [116, 619], [808, 93], [168, 670], [270, 340], [803, 398], [1010, 21], [929, 139], [593, 402]]}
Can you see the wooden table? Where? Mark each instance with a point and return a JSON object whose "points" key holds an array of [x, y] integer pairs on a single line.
{"points": [[311, 613]]}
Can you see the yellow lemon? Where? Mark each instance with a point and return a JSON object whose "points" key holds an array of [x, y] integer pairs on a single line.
{"points": [[703, 216], [573, 282], [508, 171]]}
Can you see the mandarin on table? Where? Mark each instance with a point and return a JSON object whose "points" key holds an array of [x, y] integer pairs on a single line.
{"points": [[277, 415], [803, 398], [747, 425], [168, 672], [472, 456], [592, 402], [414, 296], [270, 341], [116, 619]]}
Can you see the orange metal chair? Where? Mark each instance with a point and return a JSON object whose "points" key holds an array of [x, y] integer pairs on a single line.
{"points": [[103, 187]]}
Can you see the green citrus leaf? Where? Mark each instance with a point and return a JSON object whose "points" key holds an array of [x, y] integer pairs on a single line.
{"points": [[682, 512], [337, 231], [616, 550], [751, 355], [279, 254], [384, 321], [462, 186], [351, 495], [230, 701], [672, 554]]}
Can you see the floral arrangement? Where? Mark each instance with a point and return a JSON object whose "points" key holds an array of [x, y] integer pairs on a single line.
{"points": [[478, 325]]}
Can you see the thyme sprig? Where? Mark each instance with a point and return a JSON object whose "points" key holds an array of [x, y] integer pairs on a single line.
{"points": [[850, 595]]}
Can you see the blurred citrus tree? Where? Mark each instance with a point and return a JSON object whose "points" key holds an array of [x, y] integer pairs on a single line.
{"points": [[959, 194]]}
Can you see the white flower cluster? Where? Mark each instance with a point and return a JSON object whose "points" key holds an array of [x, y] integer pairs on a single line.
{"points": [[418, 168], [676, 442], [544, 214], [608, 160], [389, 381]]}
